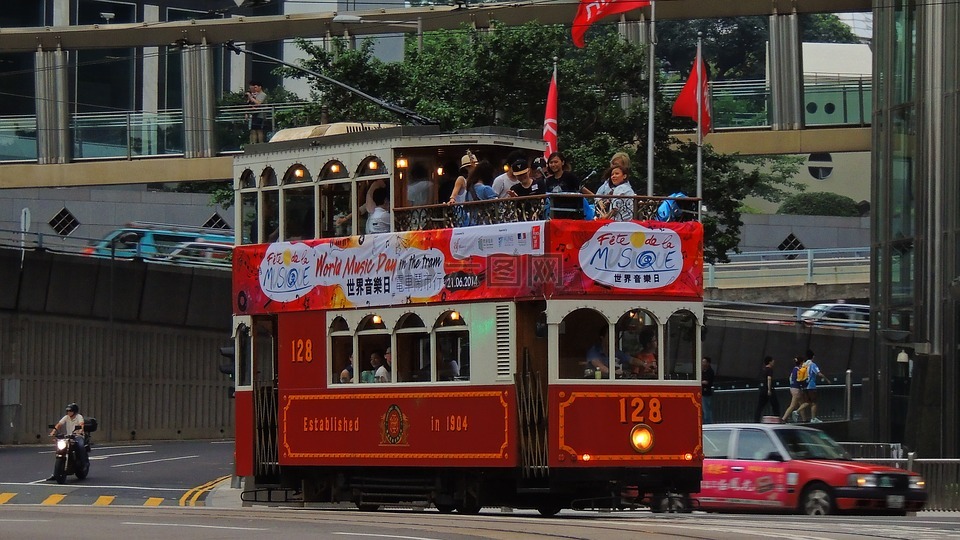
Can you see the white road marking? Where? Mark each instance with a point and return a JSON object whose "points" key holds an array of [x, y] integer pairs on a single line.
{"points": [[25, 520], [153, 461], [102, 448], [384, 536], [101, 456], [138, 524]]}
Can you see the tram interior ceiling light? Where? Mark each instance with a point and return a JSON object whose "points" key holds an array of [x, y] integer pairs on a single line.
{"points": [[401, 163]]}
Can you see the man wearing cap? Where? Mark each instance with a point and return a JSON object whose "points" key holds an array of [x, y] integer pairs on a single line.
{"points": [[525, 185], [502, 184]]}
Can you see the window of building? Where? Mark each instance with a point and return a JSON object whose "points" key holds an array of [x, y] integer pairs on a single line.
{"points": [[64, 222]]}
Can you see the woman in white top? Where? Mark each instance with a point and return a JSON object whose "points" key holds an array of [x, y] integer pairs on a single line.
{"points": [[378, 208], [620, 209]]}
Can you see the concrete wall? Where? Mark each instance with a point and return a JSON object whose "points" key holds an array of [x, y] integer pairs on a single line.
{"points": [[146, 368], [103, 209], [764, 232]]}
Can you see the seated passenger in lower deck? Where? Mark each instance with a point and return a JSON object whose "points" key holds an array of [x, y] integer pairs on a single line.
{"points": [[598, 358]]}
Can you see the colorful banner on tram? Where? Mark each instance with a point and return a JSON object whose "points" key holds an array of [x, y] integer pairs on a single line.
{"points": [[511, 260]]}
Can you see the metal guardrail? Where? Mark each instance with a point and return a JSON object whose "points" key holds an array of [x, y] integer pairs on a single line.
{"points": [[791, 267], [77, 245], [841, 400], [139, 134]]}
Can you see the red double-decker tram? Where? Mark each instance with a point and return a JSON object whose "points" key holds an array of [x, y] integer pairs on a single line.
{"points": [[482, 354]]}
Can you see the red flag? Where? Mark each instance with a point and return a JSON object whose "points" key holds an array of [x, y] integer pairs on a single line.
{"points": [[550, 118], [686, 104], [590, 11]]}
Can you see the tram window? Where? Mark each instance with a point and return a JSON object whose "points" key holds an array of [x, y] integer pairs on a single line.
{"points": [[453, 356], [299, 215], [373, 340], [335, 206], [680, 349], [452, 353], [248, 180], [270, 224], [637, 337], [579, 332], [343, 364], [244, 359], [379, 197], [248, 218], [419, 187], [412, 356], [264, 357]]}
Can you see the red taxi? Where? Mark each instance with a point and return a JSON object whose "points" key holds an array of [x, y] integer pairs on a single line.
{"points": [[789, 468]]}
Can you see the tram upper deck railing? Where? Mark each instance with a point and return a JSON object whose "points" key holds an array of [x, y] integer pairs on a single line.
{"points": [[833, 101], [540, 207]]}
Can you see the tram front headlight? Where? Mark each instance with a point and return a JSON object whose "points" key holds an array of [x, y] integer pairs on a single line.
{"points": [[641, 438]]}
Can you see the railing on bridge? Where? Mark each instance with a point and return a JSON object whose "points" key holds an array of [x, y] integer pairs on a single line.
{"points": [[135, 134], [791, 267], [177, 254]]}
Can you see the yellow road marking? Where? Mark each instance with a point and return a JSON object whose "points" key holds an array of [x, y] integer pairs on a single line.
{"points": [[104, 500], [4, 497], [190, 497], [54, 499], [154, 501]]}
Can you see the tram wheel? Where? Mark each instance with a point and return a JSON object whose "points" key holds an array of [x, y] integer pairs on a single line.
{"points": [[673, 503], [368, 507], [549, 510], [445, 508]]}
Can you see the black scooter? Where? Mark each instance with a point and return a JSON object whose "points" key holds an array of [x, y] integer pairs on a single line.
{"points": [[67, 461]]}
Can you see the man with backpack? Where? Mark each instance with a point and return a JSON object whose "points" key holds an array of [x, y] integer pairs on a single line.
{"points": [[807, 376]]}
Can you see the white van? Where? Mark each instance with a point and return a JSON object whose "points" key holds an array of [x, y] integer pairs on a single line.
{"points": [[842, 315]]}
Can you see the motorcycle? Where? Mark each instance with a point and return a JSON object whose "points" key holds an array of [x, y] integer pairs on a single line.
{"points": [[67, 461]]}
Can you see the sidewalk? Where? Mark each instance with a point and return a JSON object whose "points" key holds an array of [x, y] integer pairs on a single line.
{"points": [[225, 495]]}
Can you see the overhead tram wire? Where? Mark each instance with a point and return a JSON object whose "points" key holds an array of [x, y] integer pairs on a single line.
{"points": [[412, 116]]}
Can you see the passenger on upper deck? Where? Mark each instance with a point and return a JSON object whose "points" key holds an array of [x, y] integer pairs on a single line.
{"points": [[560, 180], [502, 184], [525, 185], [419, 189], [478, 182], [378, 208], [467, 163], [621, 208]]}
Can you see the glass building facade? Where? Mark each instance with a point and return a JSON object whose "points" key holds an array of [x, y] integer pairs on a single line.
{"points": [[916, 221]]}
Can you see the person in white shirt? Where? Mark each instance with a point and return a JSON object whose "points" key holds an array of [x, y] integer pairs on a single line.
{"points": [[69, 424], [619, 209]]}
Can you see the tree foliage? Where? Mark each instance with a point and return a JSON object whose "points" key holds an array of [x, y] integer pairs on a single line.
{"points": [[736, 47], [819, 204], [469, 77]]}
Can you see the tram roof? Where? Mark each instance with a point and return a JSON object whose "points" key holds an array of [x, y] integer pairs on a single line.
{"points": [[315, 136]]}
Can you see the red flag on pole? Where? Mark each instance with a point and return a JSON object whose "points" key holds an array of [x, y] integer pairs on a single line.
{"points": [[695, 92], [550, 117], [591, 11]]}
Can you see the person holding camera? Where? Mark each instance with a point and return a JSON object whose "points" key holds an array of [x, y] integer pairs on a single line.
{"points": [[256, 97]]}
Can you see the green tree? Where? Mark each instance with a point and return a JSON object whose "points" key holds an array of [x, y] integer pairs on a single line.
{"points": [[467, 78], [735, 47], [819, 204]]}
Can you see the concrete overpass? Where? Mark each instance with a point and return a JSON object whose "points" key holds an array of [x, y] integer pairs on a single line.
{"points": [[53, 173]]}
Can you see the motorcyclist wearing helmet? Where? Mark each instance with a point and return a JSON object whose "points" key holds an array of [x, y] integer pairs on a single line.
{"points": [[70, 421]]}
